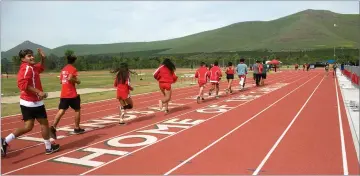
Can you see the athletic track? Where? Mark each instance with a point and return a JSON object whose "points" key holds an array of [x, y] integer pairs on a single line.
{"points": [[295, 124]]}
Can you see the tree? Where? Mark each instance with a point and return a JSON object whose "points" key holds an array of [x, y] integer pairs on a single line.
{"points": [[69, 52]]}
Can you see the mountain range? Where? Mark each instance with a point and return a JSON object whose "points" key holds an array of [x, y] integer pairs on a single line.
{"points": [[308, 29]]}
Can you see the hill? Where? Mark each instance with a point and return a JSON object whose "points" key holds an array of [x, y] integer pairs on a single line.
{"points": [[24, 45], [309, 29]]}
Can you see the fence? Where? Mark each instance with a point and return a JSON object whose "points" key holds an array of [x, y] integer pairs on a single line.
{"points": [[353, 73]]}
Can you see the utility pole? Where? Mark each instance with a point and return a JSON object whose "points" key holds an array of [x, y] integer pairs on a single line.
{"points": [[334, 46]]}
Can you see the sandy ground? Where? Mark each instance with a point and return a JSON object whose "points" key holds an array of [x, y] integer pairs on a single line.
{"points": [[56, 94]]}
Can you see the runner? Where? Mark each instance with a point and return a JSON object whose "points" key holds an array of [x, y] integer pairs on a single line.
{"points": [[334, 69], [166, 76], [229, 76], [202, 74], [68, 96], [327, 69], [31, 101], [215, 76], [257, 74], [123, 88], [304, 65], [241, 70], [296, 67], [263, 73]]}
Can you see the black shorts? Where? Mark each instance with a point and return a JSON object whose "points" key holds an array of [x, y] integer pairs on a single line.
{"points": [[230, 76], [29, 113], [263, 75], [74, 103]]}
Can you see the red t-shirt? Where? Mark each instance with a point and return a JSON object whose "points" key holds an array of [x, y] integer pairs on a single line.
{"points": [[202, 74], [68, 89]]}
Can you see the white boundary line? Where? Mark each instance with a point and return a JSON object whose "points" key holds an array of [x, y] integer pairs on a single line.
{"points": [[286, 130], [233, 130], [343, 149], [351, 122], [30, 165]]}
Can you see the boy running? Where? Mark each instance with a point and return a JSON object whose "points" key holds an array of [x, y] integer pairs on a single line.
{"points": [[202, 74], [68, 96], [215, 76], [241, 70], [31, 101]]}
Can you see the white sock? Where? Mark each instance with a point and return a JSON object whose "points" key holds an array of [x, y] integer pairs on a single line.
{"points": [[241, 82], [9, 138], [47, 144]]}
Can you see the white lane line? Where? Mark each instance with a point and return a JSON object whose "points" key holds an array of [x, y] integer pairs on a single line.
{"points": [[208, 119], [233, 130], [343, 149], [286, 130]]}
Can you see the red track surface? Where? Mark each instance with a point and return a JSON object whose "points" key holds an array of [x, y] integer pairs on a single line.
{"points": [[292, 127]]}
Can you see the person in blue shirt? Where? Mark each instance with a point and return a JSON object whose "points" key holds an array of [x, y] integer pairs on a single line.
{"points": [[241, 70]]}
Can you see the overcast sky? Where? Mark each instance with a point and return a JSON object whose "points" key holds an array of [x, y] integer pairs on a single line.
{"points": [[56, 23]]}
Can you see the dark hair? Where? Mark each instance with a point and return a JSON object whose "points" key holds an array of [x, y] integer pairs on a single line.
{"points": [[229, 63], [202, 64], [122, 73], [71, 59], [25, 52], [242, 60], [216, 63], [167, 62]]}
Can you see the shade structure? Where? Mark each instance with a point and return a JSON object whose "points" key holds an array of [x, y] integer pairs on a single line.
{"points": [[275, 62], [331, 61]]}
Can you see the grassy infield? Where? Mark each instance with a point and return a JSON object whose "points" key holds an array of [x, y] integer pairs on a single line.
{"points": [[92, 79]]}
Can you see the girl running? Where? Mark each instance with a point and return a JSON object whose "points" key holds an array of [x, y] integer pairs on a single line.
{"points": [[229, 76], [122, 84], [202, 74], [166, 76]]}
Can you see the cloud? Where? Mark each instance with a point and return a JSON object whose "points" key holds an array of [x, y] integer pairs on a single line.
{"points": [[56, 23]]}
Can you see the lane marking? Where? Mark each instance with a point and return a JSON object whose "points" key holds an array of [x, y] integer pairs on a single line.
{"points": [[354, 135], [343, 149], [286, 130], [30, 165], [184, 162], [233, 130]]}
